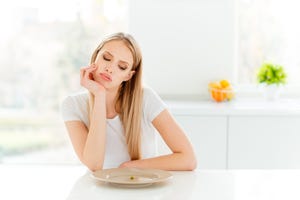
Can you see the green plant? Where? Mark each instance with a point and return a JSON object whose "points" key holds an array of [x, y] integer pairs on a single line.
{"points": [[271, 74]]}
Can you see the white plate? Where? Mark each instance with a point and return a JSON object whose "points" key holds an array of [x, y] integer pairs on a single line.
{"points": [[132, 177]]}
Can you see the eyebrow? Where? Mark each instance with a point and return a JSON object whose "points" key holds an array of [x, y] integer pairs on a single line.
{"points": [[122, 61]]}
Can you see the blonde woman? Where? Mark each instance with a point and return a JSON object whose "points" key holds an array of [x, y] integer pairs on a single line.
{"points": [[115, 123]]}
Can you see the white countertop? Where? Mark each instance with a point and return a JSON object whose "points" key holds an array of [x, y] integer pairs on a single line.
{"points": [[257, 107], [73, 182]]}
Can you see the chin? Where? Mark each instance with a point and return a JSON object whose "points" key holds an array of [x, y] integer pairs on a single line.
{"points": [[103, 83]]}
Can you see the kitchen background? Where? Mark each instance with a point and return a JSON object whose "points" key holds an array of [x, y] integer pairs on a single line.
{"points": [[186, 45]]}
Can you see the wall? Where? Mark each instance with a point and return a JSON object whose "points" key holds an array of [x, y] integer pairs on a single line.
{"points": [[185, 44]]}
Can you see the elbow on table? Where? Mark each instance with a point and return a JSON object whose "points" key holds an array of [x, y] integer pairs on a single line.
{"points": [[92, 166], [187, 162], [191, 164]]}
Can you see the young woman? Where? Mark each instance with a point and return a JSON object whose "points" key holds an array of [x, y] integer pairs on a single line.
{"points": [[115, 123]]}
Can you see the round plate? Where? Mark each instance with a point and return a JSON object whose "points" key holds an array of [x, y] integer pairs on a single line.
{"points": [[133, 177]]}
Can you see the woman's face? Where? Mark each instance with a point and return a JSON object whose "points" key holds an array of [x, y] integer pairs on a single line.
{"points": [[114, 63]]}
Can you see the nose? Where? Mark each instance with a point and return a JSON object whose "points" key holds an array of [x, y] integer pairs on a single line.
{"points": [[108, 69]]}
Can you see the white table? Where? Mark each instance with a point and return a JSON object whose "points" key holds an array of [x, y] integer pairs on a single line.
{"points": [[74, 182]]}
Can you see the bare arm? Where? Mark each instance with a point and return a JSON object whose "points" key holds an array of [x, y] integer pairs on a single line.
{"points": [[182, 158], [89, 145]]}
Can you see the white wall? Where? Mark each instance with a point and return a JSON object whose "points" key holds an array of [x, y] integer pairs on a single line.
{"points": [[185, 44]]}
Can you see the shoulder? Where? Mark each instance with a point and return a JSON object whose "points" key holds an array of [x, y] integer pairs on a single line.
{"points": [[74, 107], [149, 93], [76, 98], [152, 103]]}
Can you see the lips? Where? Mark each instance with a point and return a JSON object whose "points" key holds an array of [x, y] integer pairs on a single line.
{"points": [[106, 77]]}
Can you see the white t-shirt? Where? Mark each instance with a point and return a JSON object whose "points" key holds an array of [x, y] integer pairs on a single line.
{"points": [[74, 108]]}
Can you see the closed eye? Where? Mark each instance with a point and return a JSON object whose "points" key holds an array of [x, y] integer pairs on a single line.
{"points": [[122, 68], [106, 58]]}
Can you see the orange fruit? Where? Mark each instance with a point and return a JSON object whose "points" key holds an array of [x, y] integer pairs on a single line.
{"points": [[217, 95], [221, 90], [215, 85], [224, 95], [224, 83]]}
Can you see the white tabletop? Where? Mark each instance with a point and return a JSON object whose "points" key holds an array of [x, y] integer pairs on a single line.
{"points": [[74, 182]]}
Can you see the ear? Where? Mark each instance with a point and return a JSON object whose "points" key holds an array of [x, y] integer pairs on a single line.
{"points": [[129, 76]]}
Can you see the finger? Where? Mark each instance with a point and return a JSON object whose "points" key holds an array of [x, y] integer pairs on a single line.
{"points": [[82, 72], [87, 67], [88, 72], [82, 69], [82, 77]]}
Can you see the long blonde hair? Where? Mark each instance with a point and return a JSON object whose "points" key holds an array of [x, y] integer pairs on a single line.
{"points": [[130, 95]]}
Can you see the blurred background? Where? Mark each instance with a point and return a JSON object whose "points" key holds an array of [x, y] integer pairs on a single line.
{"points": [[185, 44]]}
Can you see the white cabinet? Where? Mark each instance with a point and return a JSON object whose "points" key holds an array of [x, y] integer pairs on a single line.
{"points": [[208, 136], [264, 142], [243, 135]]}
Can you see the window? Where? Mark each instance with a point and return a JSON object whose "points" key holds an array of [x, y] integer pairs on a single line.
{"points": [[43, 45], [268, 31]]}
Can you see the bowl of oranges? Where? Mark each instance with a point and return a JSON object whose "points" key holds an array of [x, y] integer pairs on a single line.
{"points": [[221, 90]]}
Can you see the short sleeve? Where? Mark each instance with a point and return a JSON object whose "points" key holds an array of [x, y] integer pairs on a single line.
{"points": [[69, 110], [153, 104]]}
